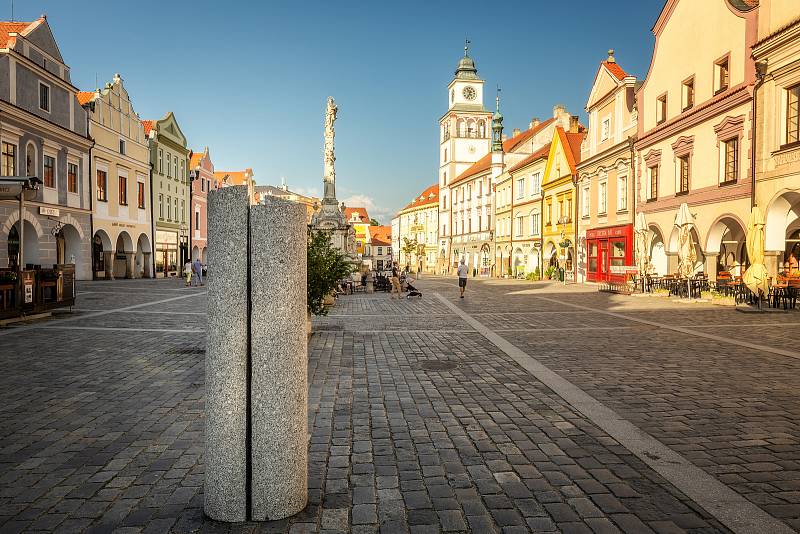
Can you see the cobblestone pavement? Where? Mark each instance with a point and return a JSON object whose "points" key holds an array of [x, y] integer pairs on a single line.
{"points": [[418, 422]]}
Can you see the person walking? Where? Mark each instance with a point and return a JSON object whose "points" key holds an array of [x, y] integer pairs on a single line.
{"points": [[463, 273], [197, 267], [395, 281], [188, 268]]}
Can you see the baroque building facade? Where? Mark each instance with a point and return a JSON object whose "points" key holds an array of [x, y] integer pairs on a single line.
{"points": [[777, 161], [418, 224], [120, 179], [169, 158], [605, 221], [694, 132], [43, 134], [201, 175]]}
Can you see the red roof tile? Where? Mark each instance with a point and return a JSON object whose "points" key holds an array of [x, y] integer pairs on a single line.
{"points": [[429, 196], [362, 214], [485, 162], [539, 154], [11, 27], [84, 97], [148, 126], [381, 235], [195, 159], [615, 69], [571, 141]]}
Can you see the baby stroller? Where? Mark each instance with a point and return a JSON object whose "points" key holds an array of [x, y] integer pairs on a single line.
{"points": [[412, 291]]}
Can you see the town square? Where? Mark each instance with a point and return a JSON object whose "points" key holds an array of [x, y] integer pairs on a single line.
{"points": [[551, 271]]}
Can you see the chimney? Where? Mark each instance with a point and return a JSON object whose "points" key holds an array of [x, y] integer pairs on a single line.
{"points": [[573, 124], [516, 132], [558, 110], [535, 122], [611, 56]]}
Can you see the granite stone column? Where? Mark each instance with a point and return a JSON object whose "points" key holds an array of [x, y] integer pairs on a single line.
{"points": [[279, 356], [227, 348]]}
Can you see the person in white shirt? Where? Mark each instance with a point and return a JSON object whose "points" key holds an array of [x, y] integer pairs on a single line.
{"points": [[463, 272]]}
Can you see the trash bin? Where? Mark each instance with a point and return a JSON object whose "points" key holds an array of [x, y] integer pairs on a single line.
{"points": [[560, 274]]}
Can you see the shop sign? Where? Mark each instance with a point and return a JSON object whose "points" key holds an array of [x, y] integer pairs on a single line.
{"points": [[10, 191], [784, 158], [622, 269], [52, 212], [28, 290]]}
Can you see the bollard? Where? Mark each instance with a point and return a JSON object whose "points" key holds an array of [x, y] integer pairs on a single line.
{"points": [[227, 345], [256, 359], [279, 355]]}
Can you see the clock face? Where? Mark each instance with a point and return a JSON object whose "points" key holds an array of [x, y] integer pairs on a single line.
{"points": [[469, 93]]}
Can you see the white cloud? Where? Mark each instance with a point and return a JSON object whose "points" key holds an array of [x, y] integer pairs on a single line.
{"points": [[384, 215], [307, 191]]}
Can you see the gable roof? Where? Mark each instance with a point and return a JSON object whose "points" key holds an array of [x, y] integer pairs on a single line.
{"points": [[429, 196], [362, 214], [539, 154], [84, 97], [614, 68], [148, 126], [571, 143], [381, 235], [485, 162]]}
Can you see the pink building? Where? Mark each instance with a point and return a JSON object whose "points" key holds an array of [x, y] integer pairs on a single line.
{"points": [[202, 174]]}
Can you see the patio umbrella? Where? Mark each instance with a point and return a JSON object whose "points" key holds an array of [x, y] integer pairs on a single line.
{"points": [[756, 275], [642, 256], [687, 256]]}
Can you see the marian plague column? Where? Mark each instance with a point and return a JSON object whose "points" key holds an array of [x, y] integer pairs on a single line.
{"points": [[330, 215]]}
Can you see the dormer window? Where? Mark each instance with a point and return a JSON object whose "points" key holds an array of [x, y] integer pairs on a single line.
{"points": [[721, 75], [661, 109]]}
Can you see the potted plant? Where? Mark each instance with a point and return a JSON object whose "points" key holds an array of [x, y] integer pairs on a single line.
{"points": [[8, 278], [548, 273]]}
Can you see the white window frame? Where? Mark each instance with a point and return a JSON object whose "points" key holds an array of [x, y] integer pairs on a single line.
{"points": [[586, 208], [535, 223], [602, 196], [605, 129], [536, 183], [520, 187], [622, 192]]}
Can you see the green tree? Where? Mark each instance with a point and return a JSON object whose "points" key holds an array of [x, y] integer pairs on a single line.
{"points": [[374, 222], [409, 246], [326, 266]]}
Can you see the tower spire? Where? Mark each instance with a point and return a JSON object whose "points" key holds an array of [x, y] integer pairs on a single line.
{"points": [[497, 125], [466, 47]]}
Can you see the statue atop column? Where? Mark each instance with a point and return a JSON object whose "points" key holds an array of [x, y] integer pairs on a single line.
{"points": [[330, 216], [329, 179]]}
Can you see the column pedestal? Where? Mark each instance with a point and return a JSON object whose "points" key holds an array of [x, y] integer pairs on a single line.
{"points": [[129, 271], [108, 261], [148, 264]]}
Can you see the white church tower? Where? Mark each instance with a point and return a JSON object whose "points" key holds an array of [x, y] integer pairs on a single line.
{"points": [[464, 138]]}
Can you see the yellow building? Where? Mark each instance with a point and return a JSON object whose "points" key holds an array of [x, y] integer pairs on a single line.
{"points": [[558, 202], [524, 222], [120, 171], [777, 165], [359, 219], [419, 224], [502, 223]]}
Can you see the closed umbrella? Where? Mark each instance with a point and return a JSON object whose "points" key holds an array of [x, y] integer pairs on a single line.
{"points": [[642, 254], [756, 275], [687, 255]]}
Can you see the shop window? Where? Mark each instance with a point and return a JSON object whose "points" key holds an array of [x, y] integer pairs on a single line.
{"points": [[793, 115], [617, 253], [592, 256], [72, 178]]}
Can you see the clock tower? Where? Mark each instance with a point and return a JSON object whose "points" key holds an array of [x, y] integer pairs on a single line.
{"points": [[464, 138]]}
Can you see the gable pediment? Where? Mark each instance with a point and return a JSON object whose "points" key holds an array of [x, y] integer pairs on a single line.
{"points": [[604, 84], [42, 37], [168, 127], [556, 161]]}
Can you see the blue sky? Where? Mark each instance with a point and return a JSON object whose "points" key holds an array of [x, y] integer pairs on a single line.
{"points": [[250, 79]]}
